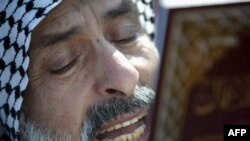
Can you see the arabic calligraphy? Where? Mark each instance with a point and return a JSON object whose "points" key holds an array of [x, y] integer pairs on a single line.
{"points": [[222, 93]]}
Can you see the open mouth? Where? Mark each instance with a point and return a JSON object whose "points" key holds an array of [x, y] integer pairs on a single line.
{"points": [[130, 129]]}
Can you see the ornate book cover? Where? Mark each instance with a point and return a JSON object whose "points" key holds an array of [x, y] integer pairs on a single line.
{"points": [[205, 74]]}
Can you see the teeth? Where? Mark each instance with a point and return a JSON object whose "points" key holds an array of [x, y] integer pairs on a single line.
{"points": [[132, 136], [124, 138], [124, 124], [129, 137], [118, 126], [135, 135], [103, 131], [141, 116], [134, 120], [111, 129]]}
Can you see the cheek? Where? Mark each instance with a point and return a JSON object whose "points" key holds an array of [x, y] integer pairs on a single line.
{"points": [[146, 62], [62, 104]]}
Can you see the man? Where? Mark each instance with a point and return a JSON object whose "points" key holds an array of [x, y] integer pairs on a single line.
{"points": [[91, 74]]}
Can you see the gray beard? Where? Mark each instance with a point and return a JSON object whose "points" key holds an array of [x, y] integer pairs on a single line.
{"points": [[31, 131], [96, 115]]}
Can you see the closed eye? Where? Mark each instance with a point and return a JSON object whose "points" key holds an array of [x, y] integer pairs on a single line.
{"points": [[126, 40], [65, 68]]}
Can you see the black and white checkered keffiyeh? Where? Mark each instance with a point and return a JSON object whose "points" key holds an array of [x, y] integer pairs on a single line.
{"points": [[17, 20]]}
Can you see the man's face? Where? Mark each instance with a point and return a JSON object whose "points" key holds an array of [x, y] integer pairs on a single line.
{"points": [[91, 66]]}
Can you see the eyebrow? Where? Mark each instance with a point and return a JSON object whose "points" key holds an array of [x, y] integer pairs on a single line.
{"points": [[51, 39], [124, 8], [55, 38]]}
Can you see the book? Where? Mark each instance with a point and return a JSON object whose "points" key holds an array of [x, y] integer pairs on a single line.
{"points": [[204, 80]]}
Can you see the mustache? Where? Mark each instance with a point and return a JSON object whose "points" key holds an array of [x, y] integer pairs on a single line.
{"points": [[142, 97]]}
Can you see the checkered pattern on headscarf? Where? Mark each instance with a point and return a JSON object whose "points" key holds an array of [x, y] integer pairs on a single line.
{"points": [[17, 20]]}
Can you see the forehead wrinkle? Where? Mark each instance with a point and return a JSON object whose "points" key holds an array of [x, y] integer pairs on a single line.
{"points": [[64, 9], [52, 20], [94, 13], [83, 3]]}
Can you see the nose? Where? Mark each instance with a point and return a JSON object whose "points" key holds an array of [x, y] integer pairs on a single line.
{"points": [[117, 76]]}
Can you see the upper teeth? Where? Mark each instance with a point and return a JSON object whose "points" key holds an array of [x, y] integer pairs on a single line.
{"points": [[124, 124], [135, 135]]}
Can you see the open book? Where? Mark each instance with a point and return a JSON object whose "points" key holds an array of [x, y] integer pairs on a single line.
{"points": [[205, 73]]}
